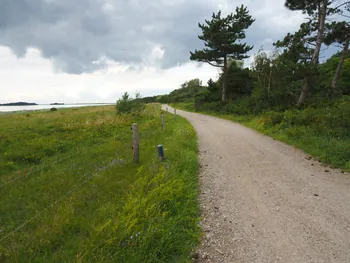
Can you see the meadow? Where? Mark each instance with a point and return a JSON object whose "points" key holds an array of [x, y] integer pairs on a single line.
{"points": [[70, 191]]}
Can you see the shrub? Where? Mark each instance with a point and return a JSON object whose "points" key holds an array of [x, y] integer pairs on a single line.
{"points": [[127, 105], [123, 105], [53, 109]]}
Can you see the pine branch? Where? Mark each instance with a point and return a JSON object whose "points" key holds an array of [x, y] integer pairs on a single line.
{"points": [[310, 43], [211, 64], [344, 15], [337, 45], [345, 3]]}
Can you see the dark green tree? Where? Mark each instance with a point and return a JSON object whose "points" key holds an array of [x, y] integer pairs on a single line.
{"points": [[187, 91], [328, 70], [214, 90], [318, 11], [238, 80], [298, 54], [338, 32], [222, 38]]}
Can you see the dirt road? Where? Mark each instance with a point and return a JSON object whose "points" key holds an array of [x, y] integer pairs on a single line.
{"points": [[264, 201]]}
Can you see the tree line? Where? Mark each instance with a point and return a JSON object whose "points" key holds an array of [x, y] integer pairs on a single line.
{"points": [[292, 76]]}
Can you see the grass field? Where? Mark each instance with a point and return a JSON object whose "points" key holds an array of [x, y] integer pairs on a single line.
{"points": [[312, 131], [71, 193]]}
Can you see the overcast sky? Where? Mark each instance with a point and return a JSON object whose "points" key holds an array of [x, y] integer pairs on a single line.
{"points": [[94, 50]]}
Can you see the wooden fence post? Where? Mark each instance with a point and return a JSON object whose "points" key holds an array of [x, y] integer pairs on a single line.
{"points": [[135, 145], [163, 123], [175, 114]]}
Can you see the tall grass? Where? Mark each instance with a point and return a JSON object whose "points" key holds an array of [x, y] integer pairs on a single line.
{"points": [[97, 206]]}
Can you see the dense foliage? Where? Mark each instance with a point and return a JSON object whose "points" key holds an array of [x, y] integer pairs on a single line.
{"points": [[289, 92], [266, 95]]}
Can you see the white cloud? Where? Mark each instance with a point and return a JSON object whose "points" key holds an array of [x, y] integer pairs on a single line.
{"points": [[115, 46], [32, 78]]}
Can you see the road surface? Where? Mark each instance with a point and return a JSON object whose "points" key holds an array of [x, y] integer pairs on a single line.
{"points": [[265, 201]]}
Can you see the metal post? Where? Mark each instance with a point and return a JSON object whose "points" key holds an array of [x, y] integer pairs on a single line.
{"points": [[135, 145], [160, 152]]}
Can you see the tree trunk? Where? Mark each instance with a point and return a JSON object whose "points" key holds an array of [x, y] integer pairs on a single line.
{"points": [[341, 62], [322, 13], [269, 86], [224, 83], [304, 92]]}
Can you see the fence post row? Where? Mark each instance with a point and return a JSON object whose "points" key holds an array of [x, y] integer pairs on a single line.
{"points": [[136, 145]]}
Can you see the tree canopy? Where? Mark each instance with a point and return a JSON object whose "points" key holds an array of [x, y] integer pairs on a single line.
{"points": [[222, 38]]}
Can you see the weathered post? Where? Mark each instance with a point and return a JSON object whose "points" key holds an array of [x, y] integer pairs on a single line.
{"points": [[175, 114], [166, 109], [135, 145], [163, 123], [160, 152]]}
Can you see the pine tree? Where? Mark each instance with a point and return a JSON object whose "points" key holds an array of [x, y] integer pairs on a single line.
{"points": [[222, 39], [318, 11], [338, 32]]}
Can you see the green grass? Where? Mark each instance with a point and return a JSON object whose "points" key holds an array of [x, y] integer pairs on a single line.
{"points": [[308, 129], [93, 204]]}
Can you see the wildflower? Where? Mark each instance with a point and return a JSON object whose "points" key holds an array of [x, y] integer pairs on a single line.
{"points": [[132, 237]]}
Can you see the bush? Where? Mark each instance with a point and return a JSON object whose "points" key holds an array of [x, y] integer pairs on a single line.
{"points": [[53, 109], [127, 105]]}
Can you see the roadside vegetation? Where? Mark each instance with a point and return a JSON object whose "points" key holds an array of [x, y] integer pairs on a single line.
{"points": [[71, 193], [292, 93]]}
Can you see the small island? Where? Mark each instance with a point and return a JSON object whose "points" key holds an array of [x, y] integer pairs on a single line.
{"points": [[19, 104], [56, 103]]}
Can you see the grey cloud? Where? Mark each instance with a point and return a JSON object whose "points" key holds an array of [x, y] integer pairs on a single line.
{"points": [[75, 33]]}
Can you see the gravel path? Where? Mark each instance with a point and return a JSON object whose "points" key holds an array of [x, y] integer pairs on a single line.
{"points": [[265, 201]]}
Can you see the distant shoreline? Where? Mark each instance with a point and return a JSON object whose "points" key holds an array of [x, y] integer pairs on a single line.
{"points": [[19, 104], [52, 104], [46, 107]]}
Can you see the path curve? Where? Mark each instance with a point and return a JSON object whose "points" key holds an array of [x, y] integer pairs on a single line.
{"points": [[265, 201]]}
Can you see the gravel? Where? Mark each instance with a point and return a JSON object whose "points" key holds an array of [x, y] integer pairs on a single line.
{"points": [[265, 201]]}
